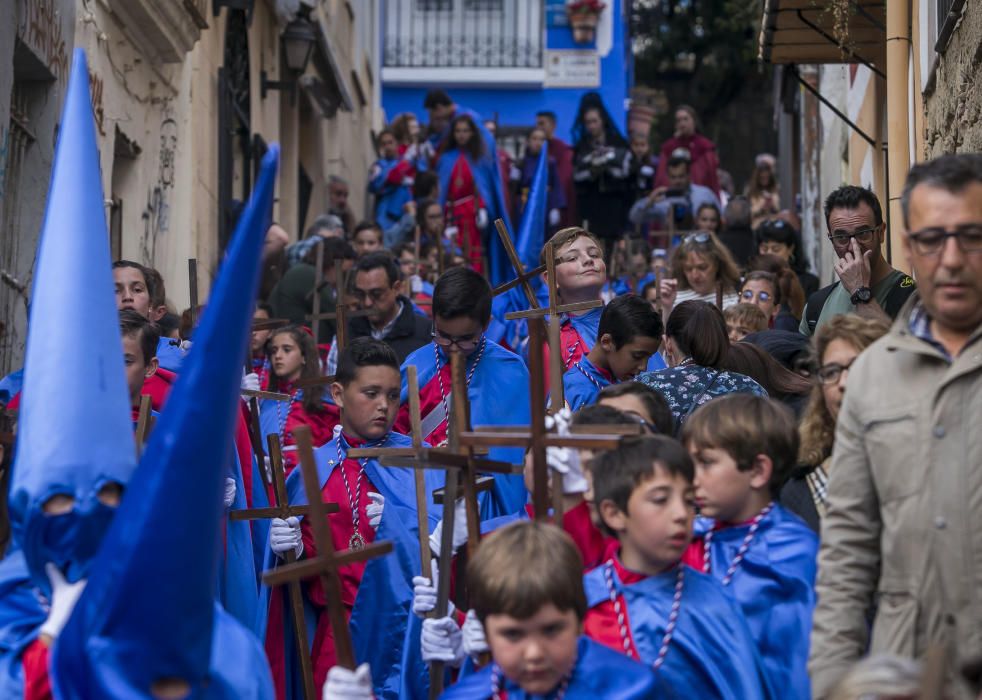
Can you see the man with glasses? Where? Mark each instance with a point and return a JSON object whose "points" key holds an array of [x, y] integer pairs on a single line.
{"points": [[497, 379], [867, 285], [679, 199], [905, 485], [378, 288]]}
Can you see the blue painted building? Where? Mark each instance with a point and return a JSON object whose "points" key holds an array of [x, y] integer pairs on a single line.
{"points": [[505, 59]]}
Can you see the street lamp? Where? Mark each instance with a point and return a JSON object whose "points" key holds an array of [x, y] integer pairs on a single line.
{"points": [[298, 41]]}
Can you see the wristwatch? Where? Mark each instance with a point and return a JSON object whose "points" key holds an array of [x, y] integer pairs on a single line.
{"points": [[861, 296]]}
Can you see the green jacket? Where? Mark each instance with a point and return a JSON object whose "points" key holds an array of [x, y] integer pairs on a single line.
{"points": [[292, 298]]}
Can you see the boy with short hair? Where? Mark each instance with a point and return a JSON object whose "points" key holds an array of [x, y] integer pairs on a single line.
{"points": [[742, 320], [642, 402], [744, 447], [375, 503], [367, 238], [140, 338], [526, 589], [630, 332], [497, 379], [644, 601]]}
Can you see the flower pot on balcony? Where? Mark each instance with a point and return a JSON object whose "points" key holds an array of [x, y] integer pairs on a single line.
{"points": [[584, 15]]}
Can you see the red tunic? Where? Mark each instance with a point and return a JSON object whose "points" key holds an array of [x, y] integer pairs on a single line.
{"points": [[37, 682], [430, 396], [342, 528], [574, 348], [705, 162], [322, 424], [463, 203], [601, 623]]}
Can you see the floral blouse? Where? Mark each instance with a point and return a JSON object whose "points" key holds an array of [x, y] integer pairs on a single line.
{"points": [[688, 386]]}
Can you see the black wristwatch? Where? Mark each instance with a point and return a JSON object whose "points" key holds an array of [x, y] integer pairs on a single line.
{"points": [[861, 296]]}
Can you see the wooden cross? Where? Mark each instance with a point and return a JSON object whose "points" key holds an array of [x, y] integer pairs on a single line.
{"points": [[270, 324], [193, 290], [144, 422], [328, 561], [340, 315], [523, 277], [282, 509], [535, 436]]}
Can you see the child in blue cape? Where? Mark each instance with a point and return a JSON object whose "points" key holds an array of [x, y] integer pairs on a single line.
{"points": [[630, 332], [744, 446], [644, 602]]}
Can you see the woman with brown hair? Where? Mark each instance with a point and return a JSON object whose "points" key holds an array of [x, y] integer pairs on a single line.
{"points": [[292, 357], [701, 268], [780, 383], [837, 344], [762, 191]]}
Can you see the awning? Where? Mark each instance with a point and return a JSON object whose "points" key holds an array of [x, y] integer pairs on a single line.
{"points": [[804, 31]]}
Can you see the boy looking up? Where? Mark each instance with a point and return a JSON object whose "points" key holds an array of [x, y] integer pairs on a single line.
{"points": [[744, 447], [497, 380], [643, 601], [374, 502], [629, 333], [526, 588], [140, 338]]}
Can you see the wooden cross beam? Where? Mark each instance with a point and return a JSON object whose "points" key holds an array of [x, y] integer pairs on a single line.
{"points": [[144, 422], [193, 290], [554, 309], [282, 509], [340, 315], [270, 324], [523, 278], [265, 395], [328, 561], [536, 438]]}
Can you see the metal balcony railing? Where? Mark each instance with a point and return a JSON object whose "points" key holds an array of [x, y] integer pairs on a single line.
{"points": [[463, 33]]}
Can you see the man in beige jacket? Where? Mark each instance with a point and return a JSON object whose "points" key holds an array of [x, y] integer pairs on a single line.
{"points": [[904, 523]]}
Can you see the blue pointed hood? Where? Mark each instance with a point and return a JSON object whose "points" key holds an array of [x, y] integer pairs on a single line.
{"points": [[148, 611], [532, 228], [74, 432]]}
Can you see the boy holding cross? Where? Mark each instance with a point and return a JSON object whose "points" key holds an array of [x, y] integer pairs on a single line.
{"points": [[497, 379], [374, 502]]}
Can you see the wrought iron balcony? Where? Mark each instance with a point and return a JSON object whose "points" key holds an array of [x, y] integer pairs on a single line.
{"points": [[463, 33]]}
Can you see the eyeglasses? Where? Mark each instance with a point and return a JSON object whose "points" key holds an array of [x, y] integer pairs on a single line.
{"points": [[830, 373], [697, 237], [748, 294], [931, 241], [377, 294], [651, 428], [862, 235], [463, 342]]}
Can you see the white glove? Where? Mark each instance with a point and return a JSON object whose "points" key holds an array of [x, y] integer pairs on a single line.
{"points": [[343, 684], [64, 595], [441, 640], [565, 460], [647, 170], [250, 382], [450, 232], [514, 173], [268, 466], [553, 217], [424, 593], [284, 535], [482, 218], [229, 491], [459, 529], [475, 642], [407, 181], [374, 509]]}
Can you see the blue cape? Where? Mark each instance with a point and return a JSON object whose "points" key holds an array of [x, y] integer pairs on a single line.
{"points": [[578, 389], [498, 394], [170, 355], [711, 655], [21, 615], [389, 198], [775, 587], [379, 619], [599, 673]]}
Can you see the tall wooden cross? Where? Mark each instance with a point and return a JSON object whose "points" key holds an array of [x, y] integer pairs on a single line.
{"points": [[328, 561], [193, 290], [144, 422], [537, 438], [282, 509]]}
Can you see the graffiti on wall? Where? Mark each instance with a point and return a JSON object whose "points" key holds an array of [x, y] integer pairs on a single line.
{"points": [[41, 30], [156, 213]]}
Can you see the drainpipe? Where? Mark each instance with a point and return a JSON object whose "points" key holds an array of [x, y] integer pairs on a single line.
{"points": [[898, 48]]}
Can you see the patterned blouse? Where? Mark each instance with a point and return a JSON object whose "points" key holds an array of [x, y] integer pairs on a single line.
{"points": [[687, 386]]}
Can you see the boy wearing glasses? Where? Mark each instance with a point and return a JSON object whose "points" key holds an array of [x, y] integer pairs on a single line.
{"points": [[867, 285], [497, 379]]}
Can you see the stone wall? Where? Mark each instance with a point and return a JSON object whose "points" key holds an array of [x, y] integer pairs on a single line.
{"points": [[954, 106]]}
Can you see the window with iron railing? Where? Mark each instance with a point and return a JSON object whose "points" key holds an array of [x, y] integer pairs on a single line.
{"points": [[463, 33]]}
